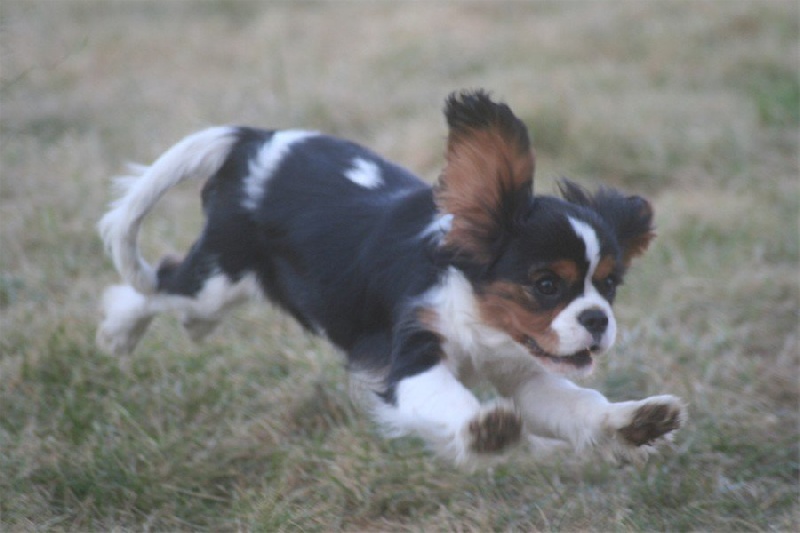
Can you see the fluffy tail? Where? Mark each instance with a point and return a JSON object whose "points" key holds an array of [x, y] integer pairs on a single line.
{"points": [[197, 156]]}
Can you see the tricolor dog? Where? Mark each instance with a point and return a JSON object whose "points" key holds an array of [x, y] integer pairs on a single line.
{"points": [[427, 290]]}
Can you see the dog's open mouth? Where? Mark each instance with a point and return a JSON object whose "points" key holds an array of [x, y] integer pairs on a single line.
{"points": [[580, 359]]}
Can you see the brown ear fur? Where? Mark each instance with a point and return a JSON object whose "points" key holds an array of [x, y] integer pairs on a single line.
{"points": [[489, 172], [638, 233], [637, 244]]}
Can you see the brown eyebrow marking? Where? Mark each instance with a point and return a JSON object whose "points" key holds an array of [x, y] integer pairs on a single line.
{"points": [[605, 267], [566, 270]]}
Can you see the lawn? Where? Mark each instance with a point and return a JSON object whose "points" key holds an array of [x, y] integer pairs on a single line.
{"points": [[693, 104]]}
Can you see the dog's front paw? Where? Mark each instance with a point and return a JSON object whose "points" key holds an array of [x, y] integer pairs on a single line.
{"points": [[652, 421], [639, 427], [494, 429]]}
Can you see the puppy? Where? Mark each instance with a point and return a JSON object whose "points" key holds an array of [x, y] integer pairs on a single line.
{"points": [[426, 290]]}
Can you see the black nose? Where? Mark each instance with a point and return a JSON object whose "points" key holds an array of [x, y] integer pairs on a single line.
{"points": [[594, 320]]}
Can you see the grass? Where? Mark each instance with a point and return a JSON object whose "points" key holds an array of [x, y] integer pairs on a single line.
{"points": [[693, 104]]}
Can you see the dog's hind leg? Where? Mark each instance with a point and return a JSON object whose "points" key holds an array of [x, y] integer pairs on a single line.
{"points": [[219, 294], [194, 287], [127, 313], [207, 291]]}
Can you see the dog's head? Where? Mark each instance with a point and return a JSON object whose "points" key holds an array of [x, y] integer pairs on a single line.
{"points": [[544, 269]]}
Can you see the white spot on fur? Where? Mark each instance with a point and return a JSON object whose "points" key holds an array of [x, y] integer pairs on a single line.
{"points": [[454, 302], [365, 173], [262, 167], [438, 228]]}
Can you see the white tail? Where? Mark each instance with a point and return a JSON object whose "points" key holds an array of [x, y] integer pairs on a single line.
{"points": [[197, 156]]}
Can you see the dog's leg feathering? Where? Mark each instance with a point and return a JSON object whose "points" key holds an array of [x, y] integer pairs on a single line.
{"points": [[126, 315], [434, 405], [554, 407]]}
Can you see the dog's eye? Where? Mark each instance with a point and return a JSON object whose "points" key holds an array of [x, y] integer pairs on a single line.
{"points": [[547, 285], [608, 286]]}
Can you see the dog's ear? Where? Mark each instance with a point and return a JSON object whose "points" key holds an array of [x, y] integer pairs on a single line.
{"points": [[487, 181], [630, 217]]}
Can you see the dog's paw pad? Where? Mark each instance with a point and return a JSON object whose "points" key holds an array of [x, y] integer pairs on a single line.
{"points": [[652, 421], [494, 430]]}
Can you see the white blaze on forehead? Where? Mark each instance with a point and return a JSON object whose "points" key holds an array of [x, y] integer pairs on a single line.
{"points": [[262, 167], [590, 242], [364, 173]]}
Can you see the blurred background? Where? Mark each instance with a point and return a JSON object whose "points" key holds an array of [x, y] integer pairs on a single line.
{"points": [[695, 105]]}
